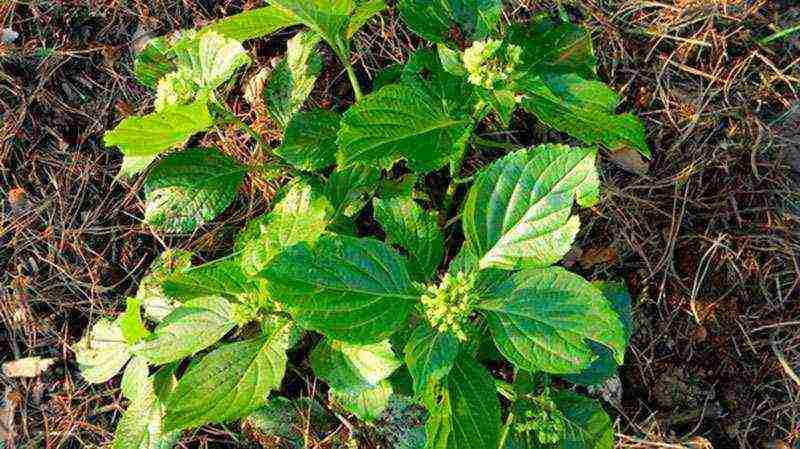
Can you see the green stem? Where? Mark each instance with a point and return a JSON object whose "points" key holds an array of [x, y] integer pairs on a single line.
{"points": [[455, 170], [342, 50], [353, 80], [486, 143], [780, 34]]}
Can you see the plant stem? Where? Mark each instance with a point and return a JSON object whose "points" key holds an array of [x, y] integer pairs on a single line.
{"points": [[353, 80], [486, 143], [455, 170], [780, 34]]}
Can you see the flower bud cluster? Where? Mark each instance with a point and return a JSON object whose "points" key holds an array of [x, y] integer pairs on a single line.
{"points": [[545, 422], [175, 88], [448, 305], [486, 67]]}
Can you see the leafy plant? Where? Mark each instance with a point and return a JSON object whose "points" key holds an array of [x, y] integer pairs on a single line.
{"points": [[411, 299]]}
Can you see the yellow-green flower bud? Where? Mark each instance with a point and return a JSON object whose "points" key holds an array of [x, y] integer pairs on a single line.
{"points": [[449, 305]]}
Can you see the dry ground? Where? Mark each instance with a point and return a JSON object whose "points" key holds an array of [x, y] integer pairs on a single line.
{"points": [[707, 240]]}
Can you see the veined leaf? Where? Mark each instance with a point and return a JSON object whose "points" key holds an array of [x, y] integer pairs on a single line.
{"points": [[252, 24], [367, 404], [134, 164], [425, 71], [363, 12], [548, 46], [436, 20], [542, 320], [406, 224], [348, 189], [222, 277], [196, 325], [135, 378], [153, 62], [130, 322], [154, 133], [517, 213], [218, 58], [309, 142], [354, 290], [399, 122], [156, 303], [187, 189], [430, 356], [328, 18], [293, 79], [351, 369], [230, 382], [140, 426], [102, 351]]}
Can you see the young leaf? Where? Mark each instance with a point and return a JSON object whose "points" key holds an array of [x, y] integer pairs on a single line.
{"points": [[294, 77], [230, 382], [351, 369], [301, 216], [252, 24], [187, 189], [430, 356], [364, 11], [222, 277], [448, 21], [309, 142], [354, 290], [542, 320], [407, 225], [102, 351], [367, 404], [399, 122], [348, 189], [517, 213], [548, 46], [130, 322], [156, 303], [140, 426], [154, 133], [153, 62], [194, 326]]}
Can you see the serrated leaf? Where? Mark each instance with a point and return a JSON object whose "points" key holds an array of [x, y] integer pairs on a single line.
{"points": [[430, 356], [228, 383], [548, 46], [102, 351], [221, 277], [517, 213], [140, 426], [156, 303], [153, 62], [407, 225], [135, 378], [192, 327], [301, 216], [354, 290], [130, 322], [187, 189], [583, 109], [328, 18], [293, 78], [351, 369], [348, 189], [542, 320], [367, 404], [253, 24], [362, 13], [309, 142], [451, 20], [399, 122], [151, 134]]}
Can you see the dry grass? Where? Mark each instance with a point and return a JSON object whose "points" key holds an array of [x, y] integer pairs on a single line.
{"points": [[708, 239]]}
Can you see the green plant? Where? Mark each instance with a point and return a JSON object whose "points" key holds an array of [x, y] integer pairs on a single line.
{"points": [[384, 306]]}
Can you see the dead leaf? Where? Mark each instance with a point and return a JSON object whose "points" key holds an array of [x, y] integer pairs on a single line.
{"points": [[27, 367], [11, 399], [597, 256], [630, 160]]}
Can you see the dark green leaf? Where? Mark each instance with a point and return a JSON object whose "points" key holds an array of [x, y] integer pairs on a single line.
{"points": [[430, 356], [309, 142], [154, 61], [451, 20], [293, 78], [348, 189], [548, 46]]}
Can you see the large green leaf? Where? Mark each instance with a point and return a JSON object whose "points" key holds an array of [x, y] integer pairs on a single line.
{"points": [[352, 369], [367, 404], [301, 216], [293, 78], [400, 122], [348, 189], [157, 304], [543, 320], [309, 142], [430, 356], [187, 189], [451, 21], [465, 411], [140, 426], [517, 213], [254, 23], [192, 327], [583, 109], [328, 18], [407, 225], [230, 382], [222, 277], [548, 46], [102, 351], [354, 290]]}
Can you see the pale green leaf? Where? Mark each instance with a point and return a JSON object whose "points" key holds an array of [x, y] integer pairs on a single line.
{"points": [[430, 356], [407, 225], [102, 351], [134, 164], [518, 211], [135, 378], [140, 426], [192, 327], [348, 189], [451, 60], [222, 277], [218, 58], [548, 46], [309, 142], [399, 122], [293, 78], [130, 322], [367, 404], [354, 290], [351, 369], [543, 320], [190, 188], [451, 20], [156, 303], [253, 24], [363, 12]]}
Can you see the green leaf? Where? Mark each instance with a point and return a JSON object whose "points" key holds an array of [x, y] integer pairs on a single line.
{"points": [[293, 78], [430, 356], [194, 326], [351, 369], [230, 382], [134, 164], [154, 133], [301, 216], [367, 404], [363, 12], [153, 62], [156, 303], [466, 411], [309, 142], [187, 189], [218, 58], [399, 122], [222, 277], [135, 378], [354, 290], [328, 18], [407, 225], [253, 24], [606, 366], [130, 322], [585, 110], [517, 213], [451, 20], [542, 320], [102, 351], [548, 46], [348, 189], [140, 426], [451, 60]]}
